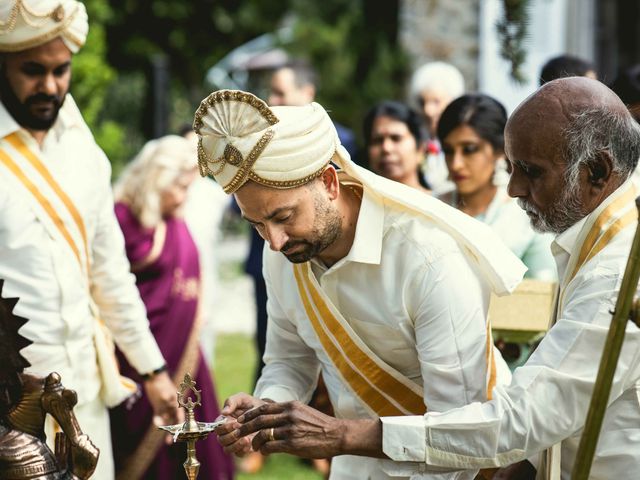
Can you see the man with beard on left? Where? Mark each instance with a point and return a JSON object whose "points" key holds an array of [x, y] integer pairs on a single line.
{"points": [[383, 289], [61, 250]]}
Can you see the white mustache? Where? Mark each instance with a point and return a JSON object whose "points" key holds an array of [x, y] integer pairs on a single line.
{"points": [[527, 207]]}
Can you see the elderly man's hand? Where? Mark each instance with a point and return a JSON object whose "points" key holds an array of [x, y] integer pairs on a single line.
{"points": [[228, 433], [293, 428], [163, 397]]}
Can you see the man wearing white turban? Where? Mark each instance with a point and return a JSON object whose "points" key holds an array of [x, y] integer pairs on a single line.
{"points": [[61, 250], [572, 146], [381, 287]]}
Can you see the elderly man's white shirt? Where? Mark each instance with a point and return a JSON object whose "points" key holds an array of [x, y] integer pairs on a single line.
{"points": [[412, 297], [550, 394], [51, 288]]}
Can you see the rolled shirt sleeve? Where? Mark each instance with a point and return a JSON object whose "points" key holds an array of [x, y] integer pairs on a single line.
{"points": [[546, 402]]}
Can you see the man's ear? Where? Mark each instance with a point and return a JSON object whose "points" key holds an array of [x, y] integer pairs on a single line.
{"points": [[600, 170], [330, 181]]}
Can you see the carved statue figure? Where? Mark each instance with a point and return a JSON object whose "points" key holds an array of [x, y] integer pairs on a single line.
{"points": [[24, 402]]}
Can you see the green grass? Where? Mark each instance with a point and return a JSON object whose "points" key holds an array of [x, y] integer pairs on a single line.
{"points": [[234, 366]]}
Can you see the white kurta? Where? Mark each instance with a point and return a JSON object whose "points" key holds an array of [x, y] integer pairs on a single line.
{"points": [[45, 276], [548, 398], [413, 298]]}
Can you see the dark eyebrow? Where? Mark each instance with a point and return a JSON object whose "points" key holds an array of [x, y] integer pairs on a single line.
{"points": [[32, 64], [63, 65], [271, 215]]}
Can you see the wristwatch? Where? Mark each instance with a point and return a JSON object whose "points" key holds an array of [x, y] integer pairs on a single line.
{"points": [[151, 375]]}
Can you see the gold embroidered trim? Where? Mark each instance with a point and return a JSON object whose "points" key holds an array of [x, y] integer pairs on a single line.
{"points": [[245, 171], [44, 38], [231, 154], [203, 162], [232, 95], [284, 184], [57, 14]]}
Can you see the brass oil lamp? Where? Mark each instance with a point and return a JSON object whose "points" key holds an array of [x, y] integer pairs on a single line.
{"points": [[191, 430]]}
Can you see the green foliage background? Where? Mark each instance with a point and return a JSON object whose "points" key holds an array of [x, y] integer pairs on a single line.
{"points": [[352, 43]]}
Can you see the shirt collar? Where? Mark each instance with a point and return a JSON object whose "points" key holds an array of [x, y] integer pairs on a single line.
{"points": [[7, 123], [367, 241], [563, 245], [567, 239]]}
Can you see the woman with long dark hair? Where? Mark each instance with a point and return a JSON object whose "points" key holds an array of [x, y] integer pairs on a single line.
{"points": [[471, 131], [394, 136]]}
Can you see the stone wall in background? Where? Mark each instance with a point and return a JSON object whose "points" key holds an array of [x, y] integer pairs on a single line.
{"points": [[443, 30]]}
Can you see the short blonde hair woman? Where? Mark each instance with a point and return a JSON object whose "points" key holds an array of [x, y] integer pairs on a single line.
{"points": [[162, 167]]}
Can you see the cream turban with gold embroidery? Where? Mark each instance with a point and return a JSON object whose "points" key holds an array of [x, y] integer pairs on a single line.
{"points": [[25, 24], [240, 138]]}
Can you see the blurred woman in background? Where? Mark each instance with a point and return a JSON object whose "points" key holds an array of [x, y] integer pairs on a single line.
{"points": [[471, 131], [432, 87], [395, 135], [149, 198]]}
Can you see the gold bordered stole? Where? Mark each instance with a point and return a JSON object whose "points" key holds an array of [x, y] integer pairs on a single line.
{"points": [[384, 390], [63, 222], [381, 388], [596, 235], [49, 201]]}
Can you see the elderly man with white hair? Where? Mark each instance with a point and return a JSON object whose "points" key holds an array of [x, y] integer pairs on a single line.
{"points": [[379, 286], [61, 250], [433, 86]]}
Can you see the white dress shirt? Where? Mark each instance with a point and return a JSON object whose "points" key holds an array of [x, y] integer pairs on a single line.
{"points": [[46, 278], [412, 297], [548, 398]]}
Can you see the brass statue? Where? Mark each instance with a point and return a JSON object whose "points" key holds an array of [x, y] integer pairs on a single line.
{"points": [[24, 402]]}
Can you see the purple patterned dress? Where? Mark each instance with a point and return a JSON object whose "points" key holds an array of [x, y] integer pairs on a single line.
{"points": [[168, 279]]}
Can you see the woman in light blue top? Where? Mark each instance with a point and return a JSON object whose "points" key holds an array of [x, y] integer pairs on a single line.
{"points": [[471, 131]]}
